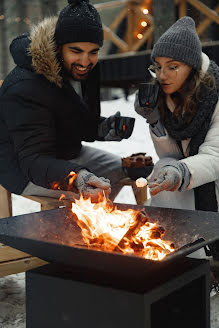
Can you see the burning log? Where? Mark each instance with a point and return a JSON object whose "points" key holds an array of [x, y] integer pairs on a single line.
{"points": [[107, 228], [157, 232], [141, 219]]}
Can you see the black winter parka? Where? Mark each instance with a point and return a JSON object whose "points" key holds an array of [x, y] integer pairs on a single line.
{"points": [[42, 118]]}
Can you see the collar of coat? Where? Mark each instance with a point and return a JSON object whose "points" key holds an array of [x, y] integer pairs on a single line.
{"points": [[42, 49]]}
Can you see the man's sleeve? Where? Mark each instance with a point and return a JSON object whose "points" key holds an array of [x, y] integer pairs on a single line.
{"points": [[32, 130]]}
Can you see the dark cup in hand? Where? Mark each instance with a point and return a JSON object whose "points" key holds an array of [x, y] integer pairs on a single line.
{"points": [[124, 126], [148, 94]]}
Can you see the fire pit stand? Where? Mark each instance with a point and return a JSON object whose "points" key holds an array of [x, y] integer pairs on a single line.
{"points": [[85, 287], [176, 295]]}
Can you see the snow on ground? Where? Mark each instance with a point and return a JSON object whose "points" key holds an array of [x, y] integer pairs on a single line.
{"points": [[12, 288]]}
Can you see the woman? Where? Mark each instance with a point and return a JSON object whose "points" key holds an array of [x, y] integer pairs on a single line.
{"points": [[184, 125]]}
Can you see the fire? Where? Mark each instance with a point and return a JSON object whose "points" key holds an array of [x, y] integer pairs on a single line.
{"points": [[68, 182], [107, 228]]}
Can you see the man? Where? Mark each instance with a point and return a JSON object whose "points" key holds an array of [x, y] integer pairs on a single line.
{"points": [[49, 104]]}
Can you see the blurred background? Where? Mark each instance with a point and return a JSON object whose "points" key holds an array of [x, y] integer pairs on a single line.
{"points": [[130, 29]]}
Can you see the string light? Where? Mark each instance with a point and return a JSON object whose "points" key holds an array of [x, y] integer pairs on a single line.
{"points": [[139, 36], [145, 11], [144, 24]]}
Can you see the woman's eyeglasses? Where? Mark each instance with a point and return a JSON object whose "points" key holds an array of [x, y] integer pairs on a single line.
{"points": [[169, 71]]}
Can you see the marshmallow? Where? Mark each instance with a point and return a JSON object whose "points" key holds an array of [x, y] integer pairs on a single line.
{"points": [[141, 182]]}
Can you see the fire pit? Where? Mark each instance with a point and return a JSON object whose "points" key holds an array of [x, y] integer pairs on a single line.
{"points": [[88, 286]]}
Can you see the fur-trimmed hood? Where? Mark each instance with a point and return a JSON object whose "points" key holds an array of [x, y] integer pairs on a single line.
{"points": [[37, 51]]}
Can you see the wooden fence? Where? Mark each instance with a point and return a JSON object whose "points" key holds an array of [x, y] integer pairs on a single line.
{"points": [[133, 11]]}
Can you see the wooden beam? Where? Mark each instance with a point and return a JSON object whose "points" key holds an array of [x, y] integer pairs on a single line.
{"points": [[108, 34], [21, 265], [48, 203], [130, 25], [118, 19], [140, 42], [110, 4], [204, 24], [182, 8], [14, 261], [8, 254], [205, 10]]}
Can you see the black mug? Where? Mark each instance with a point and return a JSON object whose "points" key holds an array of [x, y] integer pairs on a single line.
{"points": [[148, 94], [124, 126]]}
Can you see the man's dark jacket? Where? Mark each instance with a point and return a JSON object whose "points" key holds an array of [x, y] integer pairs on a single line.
{"points": [[42, 118]]}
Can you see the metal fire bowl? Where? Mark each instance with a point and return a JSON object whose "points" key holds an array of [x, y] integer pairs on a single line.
{"points": [[55, 237]]}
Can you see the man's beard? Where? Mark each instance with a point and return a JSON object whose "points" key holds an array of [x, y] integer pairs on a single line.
{"points": [[77, 76]]}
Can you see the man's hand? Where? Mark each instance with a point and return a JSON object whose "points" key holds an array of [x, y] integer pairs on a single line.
{"points": [[169, 178], [116, 127], [152, 115], [90, 186]]}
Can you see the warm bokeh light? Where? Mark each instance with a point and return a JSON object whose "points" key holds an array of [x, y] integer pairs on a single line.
{"points": [[17, 19], [27, 21], [139, 36], [144, 24], [2, 17], [145, 11]]}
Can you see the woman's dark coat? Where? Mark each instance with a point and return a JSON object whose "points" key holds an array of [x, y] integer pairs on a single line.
{"points": [[42, 118]]}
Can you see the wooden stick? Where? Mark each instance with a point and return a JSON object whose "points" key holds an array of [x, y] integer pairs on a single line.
{"points": [[141, 219]]}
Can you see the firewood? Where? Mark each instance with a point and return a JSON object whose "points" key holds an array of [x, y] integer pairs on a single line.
{"points": [[141, 219]]}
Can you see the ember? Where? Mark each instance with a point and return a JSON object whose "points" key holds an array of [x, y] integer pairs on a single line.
{"points": [[106, 228]]}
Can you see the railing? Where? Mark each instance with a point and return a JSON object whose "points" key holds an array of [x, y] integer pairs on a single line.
{"points": [[132, 11]]}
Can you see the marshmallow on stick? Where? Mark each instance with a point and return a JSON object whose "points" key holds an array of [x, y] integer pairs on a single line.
{"points": [[141, 182]]}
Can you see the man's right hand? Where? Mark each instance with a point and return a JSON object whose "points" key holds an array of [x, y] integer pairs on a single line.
{"points": [[90, 186], [152, 115]]}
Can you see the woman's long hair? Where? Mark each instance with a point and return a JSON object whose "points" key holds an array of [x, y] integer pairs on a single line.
{"points": [[187, 100]]}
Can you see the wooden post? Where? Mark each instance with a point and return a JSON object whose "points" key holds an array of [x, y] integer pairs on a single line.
{"points": [[5, 203], [164, 16], [130, 25], [182, 8]]}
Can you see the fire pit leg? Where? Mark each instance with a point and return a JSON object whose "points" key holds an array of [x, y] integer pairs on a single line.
{"points": [[176, 295]]}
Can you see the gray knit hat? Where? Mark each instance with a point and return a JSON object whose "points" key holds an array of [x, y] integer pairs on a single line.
{"points": [[181, 43], [79, 22]]}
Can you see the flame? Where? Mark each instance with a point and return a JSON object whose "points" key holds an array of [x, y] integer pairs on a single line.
{"points": [[104, 227], [68, 180]]}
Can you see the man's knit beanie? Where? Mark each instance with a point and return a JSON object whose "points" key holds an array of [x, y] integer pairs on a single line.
{"points": [[79, 21], [181, 43]]}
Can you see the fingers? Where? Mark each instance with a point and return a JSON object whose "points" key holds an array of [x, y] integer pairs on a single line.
{"points": [[111, 136], [163, 182], [95, 194], [117, 114], [99, 183]]}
